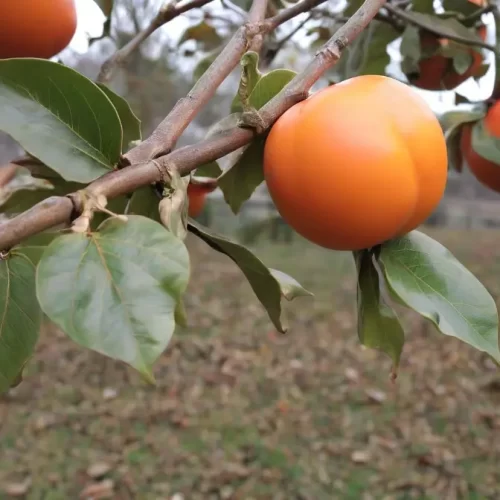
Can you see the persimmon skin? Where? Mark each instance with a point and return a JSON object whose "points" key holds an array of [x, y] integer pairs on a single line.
{"points": [[485, 171], [357, 163], [197, 194], [36, 28]]}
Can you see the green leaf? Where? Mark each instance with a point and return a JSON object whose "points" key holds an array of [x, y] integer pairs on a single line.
{"points": [[205, 63], [290, 287], [368, 55], [144, 202], [22, 181], [410, 49], [116, 290], [452, 123], [106, 6], [426, 6], [242, 4], [245, 171], [378, 325], [34, 246], [267, 285], [20, 316], [269, 85], [465, 7], [211, 169], [352, 7], [250, 75], [59, 116], [444, 26], [427, 278], [484, 143], [203, 33], [240, 181], [131, 125]]}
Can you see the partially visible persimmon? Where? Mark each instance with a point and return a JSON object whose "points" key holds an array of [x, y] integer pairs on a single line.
{"points": [[357, 163], [36, 28], [197, 192], [486, 172], [437, 72]]}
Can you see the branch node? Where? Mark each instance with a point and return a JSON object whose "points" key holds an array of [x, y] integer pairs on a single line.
{"points": [[164, 170]]}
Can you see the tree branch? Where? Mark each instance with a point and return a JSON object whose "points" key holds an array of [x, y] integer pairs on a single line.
{"points": [[168, 12], [55, 211], [163, 139]]}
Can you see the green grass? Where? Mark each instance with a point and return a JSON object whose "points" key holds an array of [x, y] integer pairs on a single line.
{"points": [[242, 412]]}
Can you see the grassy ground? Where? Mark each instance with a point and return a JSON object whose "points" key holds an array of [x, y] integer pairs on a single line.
{"points": [[241, 412]]}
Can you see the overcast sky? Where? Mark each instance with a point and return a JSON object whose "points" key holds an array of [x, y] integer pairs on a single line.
{"points": [[90, 19]]}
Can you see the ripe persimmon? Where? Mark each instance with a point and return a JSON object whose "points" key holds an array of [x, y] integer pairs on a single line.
{"points": [[485, 171], [197, 192], [357, 163], [36, 28], [437, 72]]}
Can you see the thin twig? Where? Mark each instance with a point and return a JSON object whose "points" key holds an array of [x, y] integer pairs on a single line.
{"points": [[164, 137], [456, 38], [165, 14], [58, 210]]}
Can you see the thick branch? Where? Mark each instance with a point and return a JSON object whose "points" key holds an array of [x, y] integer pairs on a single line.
{"points": [[166, 14], [54, 211], [163, 139]]}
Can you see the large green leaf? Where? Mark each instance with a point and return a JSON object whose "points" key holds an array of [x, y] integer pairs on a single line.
{"points": [[484, 143], [34, 246], [245, 172], [59, 116], [20, 316], [426, 6], [144, 202], [131, 125], [268, 284], [465, 7], [426, 277], [378, 325], [116, 290]]}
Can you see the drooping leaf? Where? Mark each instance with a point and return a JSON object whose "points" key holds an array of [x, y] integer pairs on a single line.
{"points": [[131, 125], [267, 285], [61, 117], [22, 181], [444, 26], [452, 123], [173, 207], [378, 324], [116, 290], [245, 172], [484, 143], [239, 182], [204, 34], [290, 287], [410, 49], [427, 278], [20, 316]]}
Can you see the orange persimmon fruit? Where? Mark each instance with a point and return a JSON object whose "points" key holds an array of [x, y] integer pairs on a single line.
{"points": [[36, 28], [197, 192], [357, 163], [485, 171], [437, 71]]}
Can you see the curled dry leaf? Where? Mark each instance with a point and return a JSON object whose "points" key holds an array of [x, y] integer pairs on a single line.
{"points": [[173, 207]]}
